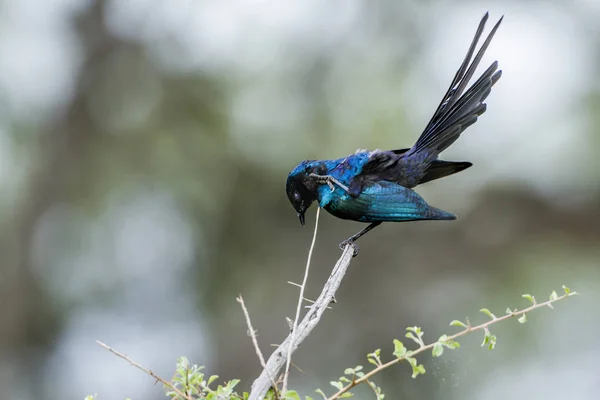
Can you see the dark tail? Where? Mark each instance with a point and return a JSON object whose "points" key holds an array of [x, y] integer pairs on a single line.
{"points": [[437, 214], [439, 169], [458, 111]]}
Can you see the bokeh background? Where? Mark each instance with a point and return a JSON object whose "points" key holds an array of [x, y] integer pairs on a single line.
{"points": [[144, 147]]}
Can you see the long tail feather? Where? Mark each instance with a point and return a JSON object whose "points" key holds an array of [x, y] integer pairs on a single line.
{"points": [[439, 169], [457, 111]]}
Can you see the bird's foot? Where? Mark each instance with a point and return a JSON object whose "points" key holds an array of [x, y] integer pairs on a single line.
{"points": [[330, 184], [352, 244], [329, 181]]}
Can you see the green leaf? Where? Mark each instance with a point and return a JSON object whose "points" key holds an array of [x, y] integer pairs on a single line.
{"points": [[291, 395], [452, 344], [438, 350], [270, 395], [489, 340], [530, 298], [373, 357], [346, 395], [184, 363], [349, 371], [337, 385], [488, 313], [358, 368], [344, 379], [417, 331], [417, 337], [319, 391], [459, 324], [553, 295], [233, 383], [566, 289], [492, 344], [212, 379], [449, 343], [523, 318], [417, 369], [399, 349]]}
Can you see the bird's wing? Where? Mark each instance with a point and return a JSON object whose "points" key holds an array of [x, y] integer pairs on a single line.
{"points": [[457, 111], [385, 201], [390, 166]]}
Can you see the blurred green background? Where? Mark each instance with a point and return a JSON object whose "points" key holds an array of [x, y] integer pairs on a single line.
{"points": [[144, 147]]}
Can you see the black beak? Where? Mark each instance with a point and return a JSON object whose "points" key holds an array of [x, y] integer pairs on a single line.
{"points": [[301, 218]]}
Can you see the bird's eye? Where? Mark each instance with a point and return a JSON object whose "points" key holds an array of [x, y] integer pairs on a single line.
{"points": [[297, 196]]}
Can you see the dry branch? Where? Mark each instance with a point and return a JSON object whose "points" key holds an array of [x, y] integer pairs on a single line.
{"points": [[279, 357]]}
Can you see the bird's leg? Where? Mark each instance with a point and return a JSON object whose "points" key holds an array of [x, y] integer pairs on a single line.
{"points": [[329, 180], [352, 239]]}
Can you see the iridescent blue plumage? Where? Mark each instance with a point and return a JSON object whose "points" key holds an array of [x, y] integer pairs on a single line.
{"points": [[376, 186], [379, 202]]}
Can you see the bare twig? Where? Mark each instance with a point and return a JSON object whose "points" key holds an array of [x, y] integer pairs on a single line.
{"points": [[365, 378], [305, 299], [311, 319], [251, 331], [152, 374], [299, 306], [252, 335]]}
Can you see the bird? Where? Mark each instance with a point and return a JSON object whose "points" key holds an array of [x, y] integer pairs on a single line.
{"points": [[376, 186]]}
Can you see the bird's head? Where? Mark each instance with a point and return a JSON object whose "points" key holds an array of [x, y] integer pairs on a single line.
{"points": [[300, 188]]}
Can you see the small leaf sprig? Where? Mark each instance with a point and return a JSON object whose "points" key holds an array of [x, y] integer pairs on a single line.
{"points": [[401, 353], [188, 383], [190, 380]]}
